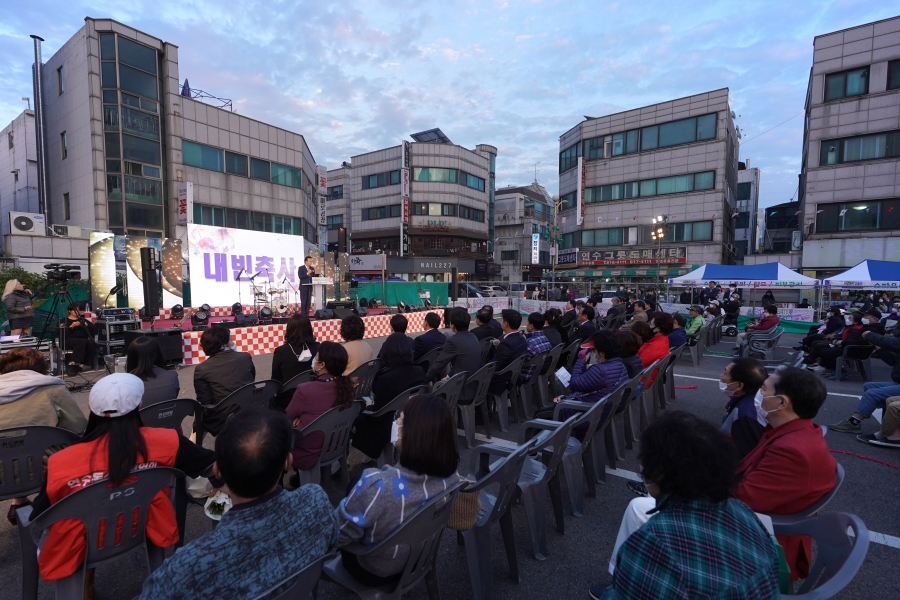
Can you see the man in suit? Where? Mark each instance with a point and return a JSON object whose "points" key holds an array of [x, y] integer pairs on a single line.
{"points": [[496, 329], [512, 345], [617, 308], [431, 339], [399, 324], [305, 274], [462, 352], [483, 317], [223, 372], [570, 314], [586, 327]]}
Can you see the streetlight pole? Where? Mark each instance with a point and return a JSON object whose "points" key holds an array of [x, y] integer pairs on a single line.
{"points": [[660, 230], [554, 239]]}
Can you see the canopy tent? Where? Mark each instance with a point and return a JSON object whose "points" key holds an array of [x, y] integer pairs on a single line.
{"points": [[869, 274], [769, 275]]}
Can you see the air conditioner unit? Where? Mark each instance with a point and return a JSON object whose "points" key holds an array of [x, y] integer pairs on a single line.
{"points": [[72, 231], [27, 224]]}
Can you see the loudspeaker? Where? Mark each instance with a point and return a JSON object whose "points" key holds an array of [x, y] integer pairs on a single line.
{"points": [[170, 342], [333, 304], [148, 259], [324, 314], [454, 280], [280, 320], [246, 320], [340, 313], [151, 292]]}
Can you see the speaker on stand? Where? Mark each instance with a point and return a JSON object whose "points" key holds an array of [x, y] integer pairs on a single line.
{"points": [[152, 288]]}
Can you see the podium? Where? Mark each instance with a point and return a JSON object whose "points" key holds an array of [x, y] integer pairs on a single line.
{"points": [[318, 291]]}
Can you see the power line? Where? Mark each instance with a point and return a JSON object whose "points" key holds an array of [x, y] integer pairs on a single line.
{"points": [[776, 127]]}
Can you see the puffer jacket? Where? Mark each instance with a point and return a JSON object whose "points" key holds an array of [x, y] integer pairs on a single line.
{"points": [[597, 380], [16, 303]]}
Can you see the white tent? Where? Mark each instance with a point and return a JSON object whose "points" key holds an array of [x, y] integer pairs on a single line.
{"points": [[772, 275], [869, 274]]}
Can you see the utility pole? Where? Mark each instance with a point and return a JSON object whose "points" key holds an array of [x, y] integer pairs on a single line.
{"points": [[660, 230], [553, 237]]}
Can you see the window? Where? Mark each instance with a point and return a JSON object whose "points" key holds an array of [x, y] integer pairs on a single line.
{"points": [[568, 240], [593, 148], [147, 105], [568, 158], [236, 164], [131, 100], [205, 157], [11, 140], [285, 175], [140, 123], [243, 219], [698, 231], [116, 217], [846, 84], [863, 147], [137, 82], [568, 201], [237, 219], [420, 209], [471, 181], [110, 96], [108, 74], [112, 145], [381, 212], [60, 80], [743, 191], [335, 192], [114, 187], [742, 221], [140, 150], [649, 187], [395, 177], [63, 145], [143, 190], [380, 180], [259, 169], [509, 255], [111, 118], [603, 237], [132, 168], [448, 210], [858, 216], [143, 215], [893, 79], [434, 174], [137, 55], [334, 221], [543, 257], [66, 212], [151, 171], [107, 46], [683, 131], [472, 214]]}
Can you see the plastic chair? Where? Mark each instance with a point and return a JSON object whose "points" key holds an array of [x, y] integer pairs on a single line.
{"points": [[450, 390], [481, 378], [503, 477], [98, 504], [697, 349], [635, 408], [305, 582], [257, 395], [335, 425], [508, 397], [363, 376], [22, 455], [859, 355], [816, 506], [602, 446], [487, 344], [670, 374], [387, 454], [650, 394], [838, 557], [547, 373], [666, 369], [429, 357], [529, 389], [570, 354], [288, 387], [762, 342], [170, 414], [619, 431], [421, 534]]}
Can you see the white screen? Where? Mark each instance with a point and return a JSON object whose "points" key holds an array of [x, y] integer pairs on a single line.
{"points": [[217, 255]]}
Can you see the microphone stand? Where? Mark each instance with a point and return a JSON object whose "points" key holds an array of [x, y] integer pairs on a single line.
{"points": [[238, 280]]}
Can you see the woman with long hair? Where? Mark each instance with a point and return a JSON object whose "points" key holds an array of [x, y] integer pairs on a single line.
{"points": [[17, 300], [398, 374], [311, 400], [114, 445], [145, 360], [384, 498], [294, 356]]}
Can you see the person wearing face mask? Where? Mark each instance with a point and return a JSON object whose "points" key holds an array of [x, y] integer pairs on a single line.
{"points": [[853, 336], [833, 324], [740, 381]]}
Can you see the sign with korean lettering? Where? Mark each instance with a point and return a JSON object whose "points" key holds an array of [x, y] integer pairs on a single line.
{"points": [[599, 257], [365, 262], [535, 248], [322, 179], [567, 258], [185, 203], [222, 261], [404, 170], [579, 192], [404, 226]]}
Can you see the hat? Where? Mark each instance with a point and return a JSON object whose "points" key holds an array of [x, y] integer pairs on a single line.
{"points": [[716, 302], [874, 312], [116, 395], [588, 344]]}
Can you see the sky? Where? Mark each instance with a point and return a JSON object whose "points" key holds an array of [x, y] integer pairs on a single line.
{"points": [[353, 77]]}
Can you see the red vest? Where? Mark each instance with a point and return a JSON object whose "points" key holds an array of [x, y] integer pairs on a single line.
{"points": [[72, 468]]}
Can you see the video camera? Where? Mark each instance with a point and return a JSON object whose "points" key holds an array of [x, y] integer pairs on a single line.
{"points": [[61, 274]]}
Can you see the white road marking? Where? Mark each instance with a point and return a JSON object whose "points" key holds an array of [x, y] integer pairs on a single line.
{"points": [[717, 379]]}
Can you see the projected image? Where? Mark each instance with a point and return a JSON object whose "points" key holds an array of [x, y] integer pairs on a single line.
{"points": [[172, 285], [101, 268]]}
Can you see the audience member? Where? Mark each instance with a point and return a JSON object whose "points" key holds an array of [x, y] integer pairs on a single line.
{"points": [[80, 340], [768, 321], [616, 310], [370, 435], [358, 352], [462, 352], [685, 296], [29, 396], [768, 298], [145, 359], [432, 338], [690, 539], [709, 314], [677, 337], [17, 301], [640, 314], [708, 293], [511, 346], [399, 324], [496, 330], [889, 434], [535, 343], [643, 331], [551, 327], [483, 330], [384, 498], [871, 321], [223, 372], [852, 320], [570, 315], [294, 356], [311, 400], [630, 344], [267, 535], [832, 325], [658, 346], [586, 325], [114, 444], [740, 381], [695, 324]]}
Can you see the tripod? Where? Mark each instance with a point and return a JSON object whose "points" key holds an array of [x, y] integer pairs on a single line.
{"points": [[62, 293]]}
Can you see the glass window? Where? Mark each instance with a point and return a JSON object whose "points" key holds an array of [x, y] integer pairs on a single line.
{"points": [[678, 132], [448, 210], [665, 185], [395, 177], [631, 141], [198, 155], [107, 46], [705, 180], [140, 123], [116, 218], [143, 190], [859, 215], [143, 215], [335, 221], [618, 144], [235, 163], [259, 169], [395, 210], [138, 82], [865, 147], [114, 187], [63, 145], [593, 148], [147, 105], [237, 219], [568, 158], [151, 171], [684, 183], [650, 138], [112, 145], [111, 96], [587, 238], [61, 81], [434, 174], [742, 221], [476, 183], [108, 74], [131, 100], [113, 166], [420, 209], [702, 231], [111, 118], [706, 127], [743, 191], [568, 201], [846, 84], [893, 80], [509, 255], [284, 175], [261, 221], [648, 187], [137, 55]]}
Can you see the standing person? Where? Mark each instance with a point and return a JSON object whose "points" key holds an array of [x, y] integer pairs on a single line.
{"points": [[294, 356], [708, 293], [305, 274], [223, 372], [17, 300], [80, 340], [768, 298], [685, 297], [353, 330], [462, 352], [145, 360]]}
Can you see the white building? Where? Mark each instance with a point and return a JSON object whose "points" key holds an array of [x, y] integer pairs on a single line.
{"points": [[745, 222], [18, 169], [519, 213]]}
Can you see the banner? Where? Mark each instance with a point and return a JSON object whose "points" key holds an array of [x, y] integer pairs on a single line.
{"points": [[535, 248], [404, 169], [185, 203], [579, 192], [366, 262], [222, 260], [404, 228], [637, 256], [567, 257], [322, 179]]}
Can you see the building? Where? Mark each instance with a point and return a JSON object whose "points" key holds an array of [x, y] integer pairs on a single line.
{"points": [[745, 226], [521, 212], [337, 205], [123, 134], [677, 159], [850, 177], [450, 194], [18, 169]]}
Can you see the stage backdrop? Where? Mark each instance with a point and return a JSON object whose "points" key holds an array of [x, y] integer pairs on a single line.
{"points": [[106, 250], [217, 255]]}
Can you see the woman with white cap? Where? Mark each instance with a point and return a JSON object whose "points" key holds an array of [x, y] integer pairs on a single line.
{"points": [[114, 444]]}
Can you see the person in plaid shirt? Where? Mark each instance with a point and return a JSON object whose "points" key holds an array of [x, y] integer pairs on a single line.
{"points": [[700, 543], [535, 343]]}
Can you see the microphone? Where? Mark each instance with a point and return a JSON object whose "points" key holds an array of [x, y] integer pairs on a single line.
{"points": [[238, 276], [255, 275]]}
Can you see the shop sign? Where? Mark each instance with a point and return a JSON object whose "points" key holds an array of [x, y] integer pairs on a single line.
{"points": [[633, 256]]}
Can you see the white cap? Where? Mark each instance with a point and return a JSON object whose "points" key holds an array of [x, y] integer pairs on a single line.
{"points": [[116, 395]]}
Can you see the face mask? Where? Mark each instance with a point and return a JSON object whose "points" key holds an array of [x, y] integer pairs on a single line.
{"points": [[848, 320], [395, 433], [757, 400], [723, 386]]}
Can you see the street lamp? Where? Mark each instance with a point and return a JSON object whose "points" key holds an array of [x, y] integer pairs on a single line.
{"points": [[660, 230]]}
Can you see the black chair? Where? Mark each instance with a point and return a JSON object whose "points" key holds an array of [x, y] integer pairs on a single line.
{"points": [[335, 426], [429, 357], [286, 393], [481, 378], [510, 394], [487, 344], [170, 414], [301, 585], [387, 454], [421, 534], [22, 452], [256, 395], [450, 390], [363, 376]]}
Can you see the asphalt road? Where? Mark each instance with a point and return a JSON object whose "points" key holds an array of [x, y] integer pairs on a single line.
{"points": [[579, 558]]}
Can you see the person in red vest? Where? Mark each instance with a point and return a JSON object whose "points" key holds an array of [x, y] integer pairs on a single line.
{"points": [[114, 444]]}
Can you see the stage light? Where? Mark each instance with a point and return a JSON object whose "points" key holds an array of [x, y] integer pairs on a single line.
{"points": [[200, 319], [178, 312], [236, 309], [265, 315]]}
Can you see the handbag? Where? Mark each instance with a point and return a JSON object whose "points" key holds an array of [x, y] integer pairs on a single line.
{"points": [[304, 356], [465, 509]]}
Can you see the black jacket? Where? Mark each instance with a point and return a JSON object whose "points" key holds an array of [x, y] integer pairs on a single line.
{"points": [[483, 332], [305, 274], [428, 341], [568, 317], [371, 435], [221, 374], [509, 349], [496, 329], [553, 336], [463, 353], [633, 364], [889, 343], [584, 331], [285, 365]]}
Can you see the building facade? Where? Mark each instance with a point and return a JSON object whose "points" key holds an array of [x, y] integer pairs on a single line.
{"points": [[18, 169], [337, 205], [746, 232], [677, 159], [520, 213], [850, 178]]}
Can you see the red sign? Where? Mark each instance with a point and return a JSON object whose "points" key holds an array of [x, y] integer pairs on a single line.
{"points": [[406, 210], [436, 228]]}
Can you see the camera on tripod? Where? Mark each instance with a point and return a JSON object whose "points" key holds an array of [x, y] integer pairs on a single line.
{"points": [[61, 274]]}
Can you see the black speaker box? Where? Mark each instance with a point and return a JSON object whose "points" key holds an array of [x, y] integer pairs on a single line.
{"points": [[170, 341], [151, 292], [340, 304], [324, 314], [246, 320], [228, 324], [340, 313], [148, 259], [280, 320]]}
